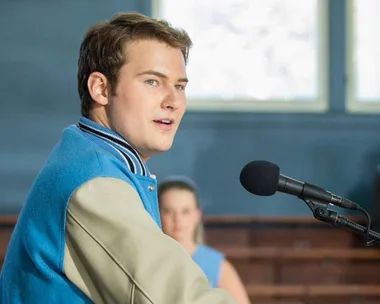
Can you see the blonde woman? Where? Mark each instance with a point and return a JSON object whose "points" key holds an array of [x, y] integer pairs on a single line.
{"points": [[181, 219]]}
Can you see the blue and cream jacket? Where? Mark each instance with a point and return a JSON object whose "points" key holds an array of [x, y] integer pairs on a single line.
{"points": [[90, 232]]}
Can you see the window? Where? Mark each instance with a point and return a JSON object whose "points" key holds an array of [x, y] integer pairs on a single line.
{"points": [[253, 55], [363, 56]]}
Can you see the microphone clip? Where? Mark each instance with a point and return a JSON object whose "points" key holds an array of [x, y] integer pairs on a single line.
{"points": [[321, 212]]}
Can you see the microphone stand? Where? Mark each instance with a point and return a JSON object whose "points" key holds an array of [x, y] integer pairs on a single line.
{"points": [[322, 213]]}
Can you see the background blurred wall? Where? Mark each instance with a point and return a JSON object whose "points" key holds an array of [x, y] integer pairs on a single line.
{"points": [[39, 42]]}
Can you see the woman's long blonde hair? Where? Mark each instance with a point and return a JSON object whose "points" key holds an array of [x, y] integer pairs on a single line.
{"points": [[183, 183]]}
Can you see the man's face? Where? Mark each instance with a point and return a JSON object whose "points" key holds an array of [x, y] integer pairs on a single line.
{"points": [[150, 97]]}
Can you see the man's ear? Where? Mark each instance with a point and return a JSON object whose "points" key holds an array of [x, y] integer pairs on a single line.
{"points": [[98, 88]]}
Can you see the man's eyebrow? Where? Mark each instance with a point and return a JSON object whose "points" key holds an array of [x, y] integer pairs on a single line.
{"points": [[161, 75]]}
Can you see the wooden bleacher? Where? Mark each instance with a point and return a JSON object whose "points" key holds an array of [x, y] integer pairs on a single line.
{"points": [[287, 260], [6, 227], [297, 260]]}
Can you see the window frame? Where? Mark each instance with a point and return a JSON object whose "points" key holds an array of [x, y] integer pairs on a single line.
{"points": [[354, 105], [321, 103]]}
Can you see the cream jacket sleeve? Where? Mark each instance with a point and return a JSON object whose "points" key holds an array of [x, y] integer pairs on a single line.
{"points": [[115, 252]]}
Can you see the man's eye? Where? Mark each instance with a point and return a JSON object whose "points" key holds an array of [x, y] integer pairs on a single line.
{"points": [[152, 82], [179, 87]]}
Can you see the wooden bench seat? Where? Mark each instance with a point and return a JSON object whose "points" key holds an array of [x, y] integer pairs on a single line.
{"points": [[275, 253], [312, 290]]}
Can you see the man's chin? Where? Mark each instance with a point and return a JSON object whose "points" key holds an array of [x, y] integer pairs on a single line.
{"points": [[165, 147], [155, 150]]}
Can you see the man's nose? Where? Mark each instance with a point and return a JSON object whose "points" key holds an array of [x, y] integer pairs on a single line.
{"points": [[171, 102]]}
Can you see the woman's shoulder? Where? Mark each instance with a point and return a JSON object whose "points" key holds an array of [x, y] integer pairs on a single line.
{"points": [[208, 251]]}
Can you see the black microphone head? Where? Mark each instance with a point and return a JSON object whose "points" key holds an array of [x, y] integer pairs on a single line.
{"points": [[260, 177]]}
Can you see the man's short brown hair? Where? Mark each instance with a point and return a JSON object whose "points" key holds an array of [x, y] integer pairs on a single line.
{"points": [[104, 44]]}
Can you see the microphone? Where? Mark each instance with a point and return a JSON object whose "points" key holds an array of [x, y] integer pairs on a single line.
{"points": [[264, 179]]}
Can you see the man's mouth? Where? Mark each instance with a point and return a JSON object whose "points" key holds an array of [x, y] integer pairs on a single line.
{"points": [[164, 121]]}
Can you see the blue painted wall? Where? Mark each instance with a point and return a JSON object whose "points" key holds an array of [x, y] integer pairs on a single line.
{"points": [[39, 43]]}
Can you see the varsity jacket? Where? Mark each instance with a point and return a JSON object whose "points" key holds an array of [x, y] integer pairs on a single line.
{"points": [[90, 232]]}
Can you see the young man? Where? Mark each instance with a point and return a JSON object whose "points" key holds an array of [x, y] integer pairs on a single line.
{"points": [[90, 229]]}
